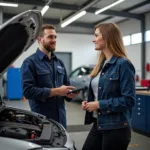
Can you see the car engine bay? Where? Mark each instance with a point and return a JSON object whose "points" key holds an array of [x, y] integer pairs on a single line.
{"points": [[32, 127]]}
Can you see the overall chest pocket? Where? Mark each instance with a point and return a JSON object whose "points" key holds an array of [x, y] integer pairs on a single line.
{"points": [[44, 77], [60, 75], [112, 82]]}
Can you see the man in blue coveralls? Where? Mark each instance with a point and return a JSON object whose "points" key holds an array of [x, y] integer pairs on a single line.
{"points": [[44, 78]]}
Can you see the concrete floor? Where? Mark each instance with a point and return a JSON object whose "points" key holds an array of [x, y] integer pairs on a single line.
{"points": [[79, 132]]}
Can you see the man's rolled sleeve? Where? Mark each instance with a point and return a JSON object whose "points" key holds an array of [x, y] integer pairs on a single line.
{"points": [[46, 94]]}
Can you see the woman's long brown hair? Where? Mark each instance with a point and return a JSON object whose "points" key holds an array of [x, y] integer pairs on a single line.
{"points": [[113, 41]]}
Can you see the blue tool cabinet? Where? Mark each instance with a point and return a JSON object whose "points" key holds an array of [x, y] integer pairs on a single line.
{"points": [[148, 114], [141, 113], [14, 88]]}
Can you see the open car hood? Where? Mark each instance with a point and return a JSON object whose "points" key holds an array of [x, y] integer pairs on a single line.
{"points": [[17, 35]]}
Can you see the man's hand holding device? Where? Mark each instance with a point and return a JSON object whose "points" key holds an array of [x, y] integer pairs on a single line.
{"points": [[73, 93]]}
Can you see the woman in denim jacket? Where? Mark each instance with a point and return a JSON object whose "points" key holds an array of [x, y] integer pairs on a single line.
{"points": [[111, 93]]}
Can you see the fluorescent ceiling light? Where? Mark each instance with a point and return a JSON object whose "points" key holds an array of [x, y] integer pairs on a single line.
{"points": [[9, 4], [109, 6], [78, 14], [75, 17], [43, 11]]}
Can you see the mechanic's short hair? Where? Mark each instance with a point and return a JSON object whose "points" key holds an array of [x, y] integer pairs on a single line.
{"points": [[46, 26]]}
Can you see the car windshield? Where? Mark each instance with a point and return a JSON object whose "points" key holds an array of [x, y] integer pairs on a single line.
{"points": [[37, 149], [82, 71]]}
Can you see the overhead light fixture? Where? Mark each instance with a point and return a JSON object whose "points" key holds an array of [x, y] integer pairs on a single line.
{"points": [[78, 14], [45, 8], [8, 4], [73, 18], [109, 6]]}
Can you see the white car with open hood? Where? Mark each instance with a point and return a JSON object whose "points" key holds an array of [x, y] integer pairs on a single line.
{"points": [[21, 129]]}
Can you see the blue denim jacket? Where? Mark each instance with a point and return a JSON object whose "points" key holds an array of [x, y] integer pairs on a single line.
{"points": [[39, 75], [116, 95]]}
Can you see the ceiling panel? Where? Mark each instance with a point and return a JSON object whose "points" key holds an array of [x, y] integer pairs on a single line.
{"points": [[143, 9], [91, 18], [55, 13], [119, 7], [127, 4], [114, 20], [51, 13], [103, 3], [76, 2], [72, 29], [17, 10]]}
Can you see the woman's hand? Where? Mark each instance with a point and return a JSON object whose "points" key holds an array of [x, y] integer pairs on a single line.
{"points": [[92, 106], [83, 106]]}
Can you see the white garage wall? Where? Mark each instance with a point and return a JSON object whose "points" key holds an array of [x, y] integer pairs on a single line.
{"points": [[134, 51], [147, 21], [80, 45], [134, 54], [130, 27]]}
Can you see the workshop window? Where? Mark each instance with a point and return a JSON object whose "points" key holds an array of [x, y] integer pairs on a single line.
{"points": [[127, 40], [147, 36], [136, 38]]}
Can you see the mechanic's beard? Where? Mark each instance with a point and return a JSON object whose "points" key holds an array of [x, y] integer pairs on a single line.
{"points": [[48, 48]]}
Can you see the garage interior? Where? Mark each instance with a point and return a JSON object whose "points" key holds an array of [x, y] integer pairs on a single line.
{"points": [[75, 40]]}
